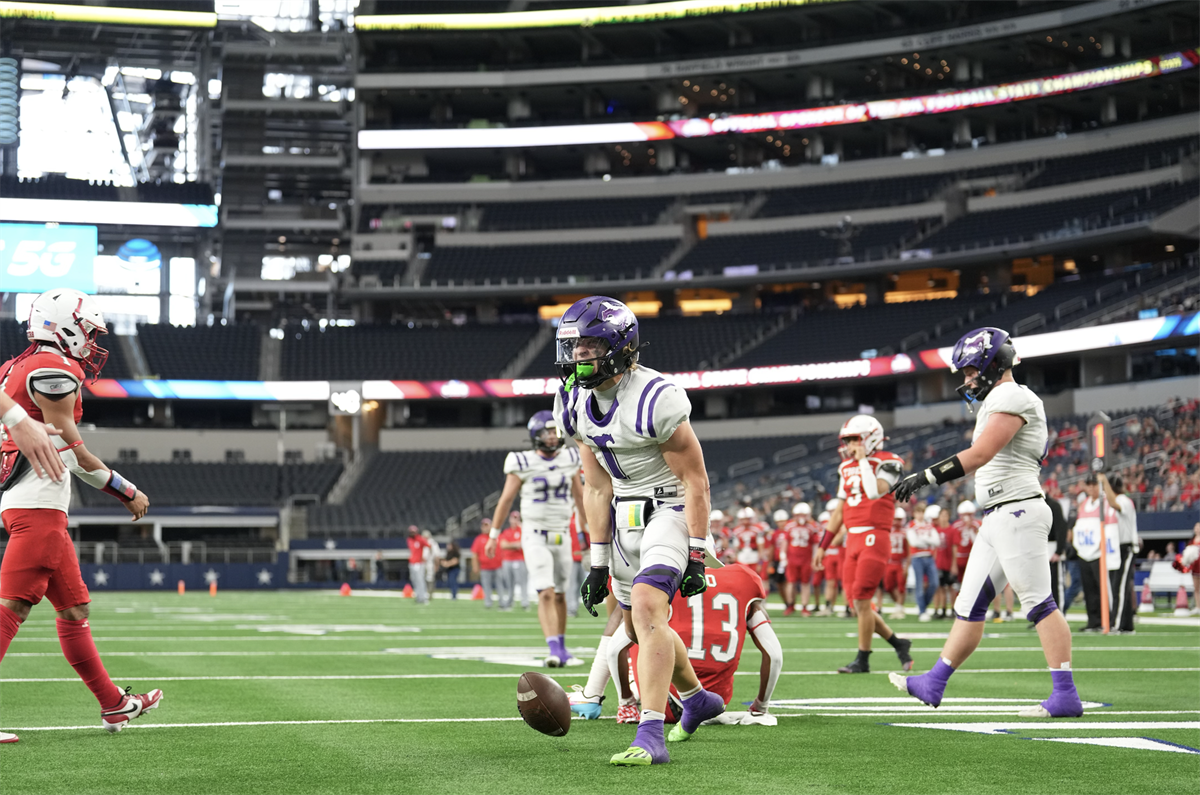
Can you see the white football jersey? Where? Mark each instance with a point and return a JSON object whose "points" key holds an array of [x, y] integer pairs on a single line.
{"points": [[1014, 474], [546, 501], [646, 409]]}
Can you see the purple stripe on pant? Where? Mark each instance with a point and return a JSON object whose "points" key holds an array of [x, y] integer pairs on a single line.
{"points": [[979, 610], [664, 578], [1047, 606]]}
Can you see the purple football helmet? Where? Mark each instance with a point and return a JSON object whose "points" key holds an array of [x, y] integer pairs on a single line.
{"points": [[990, 351], [597, 339], [544, 432]]}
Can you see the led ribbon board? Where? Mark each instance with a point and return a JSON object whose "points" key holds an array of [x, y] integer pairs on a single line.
{"points": [[800, 119], [574, 17], [71, 211], [54, 12], [1058, 342]]}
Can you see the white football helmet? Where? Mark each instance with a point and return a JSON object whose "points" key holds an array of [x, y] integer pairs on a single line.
{"points": [[867, 428], [71, 321], [779, 516], [832, 505], [933, 512], [966, 506], [824, 517], [802, 509], [746, 513], [716, 515], [900, 514]]}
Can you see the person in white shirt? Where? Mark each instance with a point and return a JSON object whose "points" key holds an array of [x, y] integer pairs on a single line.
{"points": [[1121, 587], [1095, 525]]}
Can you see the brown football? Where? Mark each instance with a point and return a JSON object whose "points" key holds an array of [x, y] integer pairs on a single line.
{"points": [[543, 704]]}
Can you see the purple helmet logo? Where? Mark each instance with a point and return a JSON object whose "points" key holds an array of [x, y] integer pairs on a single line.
{"points": [[990, 351], [597, 339], [544, 432]]}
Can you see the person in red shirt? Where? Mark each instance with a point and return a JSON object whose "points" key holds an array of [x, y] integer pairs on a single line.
{"points": [[749, 540], [45, 384], [418, 554], [946, 565], [513, 581], [966, 527], [864, 514], [895, 577], [487, 570], [722, 536], [800, 533], [714, 626]]}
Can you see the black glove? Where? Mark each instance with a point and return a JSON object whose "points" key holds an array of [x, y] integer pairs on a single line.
{"points": [[594, 588], [905, 489], [693, 581]]}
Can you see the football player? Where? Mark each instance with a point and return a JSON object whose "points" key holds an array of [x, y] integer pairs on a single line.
{"points": [[802, 534], [547, 479], [777, 549], [1188, 562], [716, 623], [965, 529], [749, 539], [1006, 456], [45, 383], [646, 501], [864, 513], [944, 559], [828, 569], [895, 577]]}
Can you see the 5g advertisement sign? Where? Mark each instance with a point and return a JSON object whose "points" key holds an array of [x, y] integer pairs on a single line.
{"points": [[37, 257]]}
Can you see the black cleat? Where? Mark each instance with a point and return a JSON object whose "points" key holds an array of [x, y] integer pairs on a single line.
{"points": [[857, 667], [902, 646]]}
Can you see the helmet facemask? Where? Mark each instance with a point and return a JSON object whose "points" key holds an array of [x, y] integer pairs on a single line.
{"points": [[589, 361], [548, 440]]}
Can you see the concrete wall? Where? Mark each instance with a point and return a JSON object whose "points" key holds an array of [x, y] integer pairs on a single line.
{"points": [[156, 444]]}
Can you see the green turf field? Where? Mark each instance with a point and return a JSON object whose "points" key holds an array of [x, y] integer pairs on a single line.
{"points": [[298, 692]]}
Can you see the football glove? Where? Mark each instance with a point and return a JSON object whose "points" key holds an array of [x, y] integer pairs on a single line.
{"points": [[693, 581], [905, 489], [594, 589]]}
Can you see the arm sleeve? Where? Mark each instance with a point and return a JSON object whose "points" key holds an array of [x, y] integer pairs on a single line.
{"points": [[670, 408], [760, 627], [870, 484]]}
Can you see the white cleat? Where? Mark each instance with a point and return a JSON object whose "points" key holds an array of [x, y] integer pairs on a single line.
{"points": [[1036, 711], [552, 661], [572, 662], [900, 681], [5, 737], [925, 618], [131, 706]]}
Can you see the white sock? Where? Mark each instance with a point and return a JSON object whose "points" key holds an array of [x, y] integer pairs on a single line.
{"points": [[598, 677], [616, 644], [649, 714], [688, 694]]}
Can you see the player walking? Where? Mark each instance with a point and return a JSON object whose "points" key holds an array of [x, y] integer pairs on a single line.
{"points": [[801, 536], [548, 481], [865, 508], [895, 577], [39, 561], [1006, 455], [646, 500]]}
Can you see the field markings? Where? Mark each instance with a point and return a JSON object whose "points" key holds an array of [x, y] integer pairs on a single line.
{"points": [[574, 675], [1132, 743], [1009, 728]]}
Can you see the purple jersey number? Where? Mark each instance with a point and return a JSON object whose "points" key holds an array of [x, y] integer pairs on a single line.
{"points": [[614, 468]]}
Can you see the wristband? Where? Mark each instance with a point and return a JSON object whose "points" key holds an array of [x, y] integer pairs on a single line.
{"points": [[493, 533], [601, 554], [119, 487], [14, 416], [696, 549], [826, 539], [944, 471]]}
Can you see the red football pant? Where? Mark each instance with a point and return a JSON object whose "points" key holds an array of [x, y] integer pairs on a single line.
{"points": [[893, 578], [800, 571], [39, 560], [865, 560]]}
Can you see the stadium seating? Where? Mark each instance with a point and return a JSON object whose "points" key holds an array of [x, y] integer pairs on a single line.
{"points": [[1111, 162], [233, 485], [851, 195], [387, 271], [792, 249], [577, 214], [547, 262], [399, 352], [13, 341], [1061, 218], [217, 353]]}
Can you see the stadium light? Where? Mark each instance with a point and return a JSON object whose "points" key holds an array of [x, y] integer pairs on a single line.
{"points": [[571, 17], [799, 119]]}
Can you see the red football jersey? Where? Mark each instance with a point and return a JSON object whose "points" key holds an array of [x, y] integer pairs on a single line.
{"points": [[779, 543], [713, 624], [899, 546], [802, 535], [19, 383], [748, 538], [857, 510], [945, 553], [966, 530]]}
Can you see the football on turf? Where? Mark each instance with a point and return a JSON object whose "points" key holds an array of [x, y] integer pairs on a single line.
{"points": [[543, 704]]}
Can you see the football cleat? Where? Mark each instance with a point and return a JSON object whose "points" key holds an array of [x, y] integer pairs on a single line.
{"points": [[581, 705], [903, 645], [925, 618], [638, 757], [898, 614], [131, 706], [552, 661], [856, 667], [917, 688], [1059, 705], [806, 613], [628, 713], [703, 706], [5, 737], [789, 610], [572, 662]]}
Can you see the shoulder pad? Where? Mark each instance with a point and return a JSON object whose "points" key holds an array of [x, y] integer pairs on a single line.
{"points": [[890, 465], [53, 383]]}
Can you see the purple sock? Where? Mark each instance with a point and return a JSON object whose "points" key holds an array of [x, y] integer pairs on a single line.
{"points": [[699, 708], [1064, 682], [940, 672], [556, 647], [650, 735]]}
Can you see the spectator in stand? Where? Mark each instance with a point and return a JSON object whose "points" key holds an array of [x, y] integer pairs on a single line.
{"points": [[487, 570], [450, 565], [418, 548], [923, 540]]}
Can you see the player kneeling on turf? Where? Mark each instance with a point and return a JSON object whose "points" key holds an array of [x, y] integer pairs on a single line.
{"points": [[1006, 456], [40, 561], [646, 500]]}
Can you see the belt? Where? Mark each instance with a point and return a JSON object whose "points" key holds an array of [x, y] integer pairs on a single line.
{"points": [[1000, 505], [546, 534]]}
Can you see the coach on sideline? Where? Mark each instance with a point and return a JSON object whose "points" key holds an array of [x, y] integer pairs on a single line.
{"points": [[1121, 579]]}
